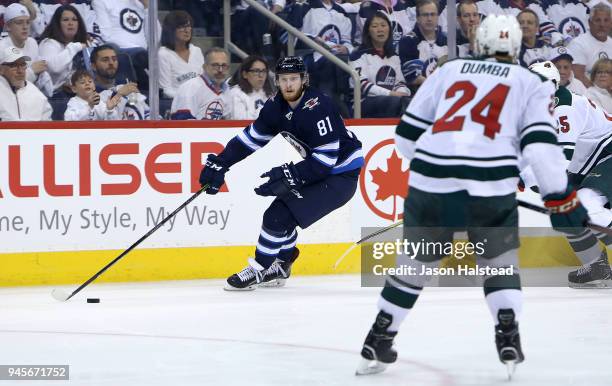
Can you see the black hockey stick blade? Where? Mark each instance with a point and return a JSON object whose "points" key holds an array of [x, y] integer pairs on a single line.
{"points": [[63, 296], [536, 208]]}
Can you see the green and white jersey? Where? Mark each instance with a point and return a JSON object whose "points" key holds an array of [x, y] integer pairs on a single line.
{"points": [[594, 142], [572, 115], [468, 123]]}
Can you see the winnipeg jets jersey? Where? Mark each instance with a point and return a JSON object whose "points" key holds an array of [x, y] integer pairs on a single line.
{"points": [[314, 128], [414, 49], [199, 98], [329, 23], [246, 106], [570, 17], [379, 75], [539, 53], [468, 123], [123, 22], [594, 142], [402, 17]]}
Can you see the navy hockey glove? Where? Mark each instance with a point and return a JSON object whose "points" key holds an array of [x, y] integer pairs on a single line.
{"points": [[567, 214], [283, 179], [213, 174], [412, 69]]}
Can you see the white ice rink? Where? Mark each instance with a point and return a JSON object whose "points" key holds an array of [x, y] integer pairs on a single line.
{"points": [[308, 333]]}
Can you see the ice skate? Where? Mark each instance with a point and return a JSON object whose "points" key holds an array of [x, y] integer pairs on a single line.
{"points": [[278, 273], [508, 341], [594, 275], [377, 352], [247, 279]]}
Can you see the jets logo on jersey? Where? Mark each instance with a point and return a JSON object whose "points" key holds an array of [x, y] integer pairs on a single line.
{"points": [[311, 103], [214, 110], [259, 103], [330, 33], [430, 66], [571, 26], [385, 77], [296, 143], [130, 21], [289, 115], [602, 55], [398, 31]]}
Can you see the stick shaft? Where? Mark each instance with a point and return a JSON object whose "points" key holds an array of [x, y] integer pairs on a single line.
{"points": [[140, 240]]}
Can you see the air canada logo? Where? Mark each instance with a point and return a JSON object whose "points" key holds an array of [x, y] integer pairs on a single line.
{"points": [[130, 21], [384, 181], [214, 110]]}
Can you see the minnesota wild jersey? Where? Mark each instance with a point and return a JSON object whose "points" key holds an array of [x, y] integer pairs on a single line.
{"points": [[467, 125]]}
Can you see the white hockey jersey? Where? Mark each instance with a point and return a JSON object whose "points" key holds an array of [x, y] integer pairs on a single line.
{"points": [[468, 123], [199, 98], [246, 106], [123, 22], [594, 142], [570, 17], [174, 71], [378, 75], [79, 110], [330, 23]]}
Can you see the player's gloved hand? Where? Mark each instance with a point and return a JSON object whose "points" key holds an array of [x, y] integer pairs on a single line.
{"points": [[412, 69], [213, 174], [567, 214], [282, 180]]}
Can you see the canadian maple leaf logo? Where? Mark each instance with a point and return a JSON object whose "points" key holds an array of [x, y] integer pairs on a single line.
{"points": [[392, 183]]}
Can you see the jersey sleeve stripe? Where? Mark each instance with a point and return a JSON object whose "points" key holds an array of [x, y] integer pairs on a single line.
{"points": [[325, 160], [247, 141], [332, 146], [256, 135], [495, 173], [408, 131], [425, 121], [538, 124], [538, 137]]}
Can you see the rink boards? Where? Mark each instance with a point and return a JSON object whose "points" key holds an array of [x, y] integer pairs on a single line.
{"points": [[74, 195]]}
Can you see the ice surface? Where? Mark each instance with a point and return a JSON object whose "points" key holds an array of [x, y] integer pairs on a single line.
{"points": [[308, 333]]}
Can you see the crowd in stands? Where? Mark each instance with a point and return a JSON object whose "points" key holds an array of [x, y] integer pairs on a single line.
{"points": [[88, 59]]}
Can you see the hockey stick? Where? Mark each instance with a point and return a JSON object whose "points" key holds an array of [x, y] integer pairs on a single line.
{"points": [[539, 209], [364, 239], [63, 296]]}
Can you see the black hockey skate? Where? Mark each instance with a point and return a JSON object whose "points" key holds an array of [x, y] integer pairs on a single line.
{"points": [[247, 279], [278, 273], [377, 351], [595, 275], [508, 340]]}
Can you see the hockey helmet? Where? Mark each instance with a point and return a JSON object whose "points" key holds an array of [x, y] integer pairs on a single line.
{"points": [[499, 35], [290, 65], [548, 70]]}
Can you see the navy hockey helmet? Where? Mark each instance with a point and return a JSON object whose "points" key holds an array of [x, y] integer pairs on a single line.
{"points": [[290, 65]]}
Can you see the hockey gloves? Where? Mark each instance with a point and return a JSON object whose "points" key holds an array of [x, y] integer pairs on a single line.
{"points": [[283, 179], [567, 214], [213, 174]]}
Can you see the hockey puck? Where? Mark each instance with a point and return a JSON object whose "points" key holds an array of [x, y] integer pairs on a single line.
{"points": [[93, 300]]}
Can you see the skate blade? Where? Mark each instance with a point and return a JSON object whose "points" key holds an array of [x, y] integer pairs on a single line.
{"points": [[367, 367], [510, 368], [229, 287], [592, 284], [275, 283]]}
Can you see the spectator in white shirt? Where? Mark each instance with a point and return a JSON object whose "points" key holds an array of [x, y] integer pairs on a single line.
{"points": [[21, 100], [86, 106], [593, 45], [63, 39], [179, 60], [563, 61], [251, 88], [601, 77], [17, 23]]}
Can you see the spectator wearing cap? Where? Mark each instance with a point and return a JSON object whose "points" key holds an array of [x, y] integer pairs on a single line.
{"points": [[17, 24], [21, 100], [587, 48], [601, 77], [563, 61]]}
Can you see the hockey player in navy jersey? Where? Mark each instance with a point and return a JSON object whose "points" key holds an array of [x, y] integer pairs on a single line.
{"points": [[306, 191]]}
